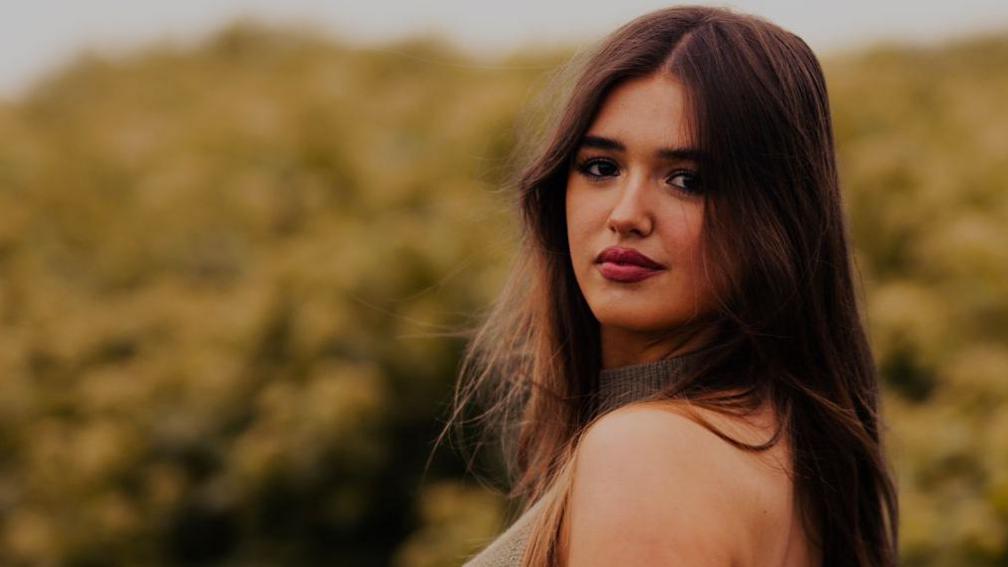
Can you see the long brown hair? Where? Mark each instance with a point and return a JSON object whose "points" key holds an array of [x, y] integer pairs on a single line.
{"points": [[788, 327]]}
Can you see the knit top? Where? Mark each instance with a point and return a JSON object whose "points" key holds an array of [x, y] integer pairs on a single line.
{"points": [[617, 386]]}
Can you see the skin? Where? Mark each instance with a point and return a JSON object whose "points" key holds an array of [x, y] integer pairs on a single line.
{"points": [[653, 487], [643, 201]]}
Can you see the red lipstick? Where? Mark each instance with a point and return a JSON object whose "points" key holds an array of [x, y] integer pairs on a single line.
{"points": [[626, 265]]}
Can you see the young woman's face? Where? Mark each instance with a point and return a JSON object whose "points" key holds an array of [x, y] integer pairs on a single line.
{"points": [[633, 184]]}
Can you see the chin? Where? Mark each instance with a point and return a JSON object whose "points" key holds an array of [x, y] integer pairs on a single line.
{"points": [[636, 319]]}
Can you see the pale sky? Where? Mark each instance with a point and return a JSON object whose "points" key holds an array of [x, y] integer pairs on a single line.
{"points": [[37, 35]]}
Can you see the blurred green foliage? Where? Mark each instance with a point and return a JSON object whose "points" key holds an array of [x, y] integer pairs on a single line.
{"points": [[224, 270]]}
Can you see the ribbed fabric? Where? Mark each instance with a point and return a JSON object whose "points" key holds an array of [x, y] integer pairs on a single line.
{"points": [[509, 546], [625, 384], [617, 386]]}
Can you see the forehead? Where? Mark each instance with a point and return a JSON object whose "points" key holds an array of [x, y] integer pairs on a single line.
{"points": [[646, 111]]}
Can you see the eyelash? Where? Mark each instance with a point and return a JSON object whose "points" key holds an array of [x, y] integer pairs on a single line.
{"points": [[585, 164]]}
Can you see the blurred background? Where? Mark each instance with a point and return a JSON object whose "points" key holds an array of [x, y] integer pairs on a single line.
{"points": [[232, 235]]}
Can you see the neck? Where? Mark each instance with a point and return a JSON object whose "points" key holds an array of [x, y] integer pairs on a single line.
{"points": [[628, 383], [625, 347]]}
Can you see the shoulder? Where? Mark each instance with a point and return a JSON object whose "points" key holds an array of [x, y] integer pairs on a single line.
{"points": [[652, 486]]}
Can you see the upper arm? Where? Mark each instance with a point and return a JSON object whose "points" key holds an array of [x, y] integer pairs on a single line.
{"points": [[652, 487]]}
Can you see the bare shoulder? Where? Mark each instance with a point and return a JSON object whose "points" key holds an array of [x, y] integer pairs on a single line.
{"points": [[652, 486]]}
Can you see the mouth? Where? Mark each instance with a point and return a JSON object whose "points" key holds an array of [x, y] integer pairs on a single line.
{"points": [[623, 256], [626, 265], [625, 273]]}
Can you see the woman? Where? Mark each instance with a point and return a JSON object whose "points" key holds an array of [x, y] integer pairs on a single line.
{"points": [[677, 366]]}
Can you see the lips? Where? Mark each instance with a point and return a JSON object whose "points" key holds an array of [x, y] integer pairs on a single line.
{"points": [[627, 256], [626, 265]]}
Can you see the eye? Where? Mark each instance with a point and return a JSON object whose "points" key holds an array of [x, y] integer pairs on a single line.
{"points": [[596, 168], [690, 183]]}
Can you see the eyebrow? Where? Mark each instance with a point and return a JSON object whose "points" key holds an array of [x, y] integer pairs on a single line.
{"points": [[671, 153]]}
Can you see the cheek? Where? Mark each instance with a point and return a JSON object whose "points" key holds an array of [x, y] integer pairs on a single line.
{"points": [[697, 278], [691, 245], [684, 242], [682, 232], [581, 219]]}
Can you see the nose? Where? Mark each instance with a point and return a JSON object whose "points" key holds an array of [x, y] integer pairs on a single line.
{"points": [[632, 210]]}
